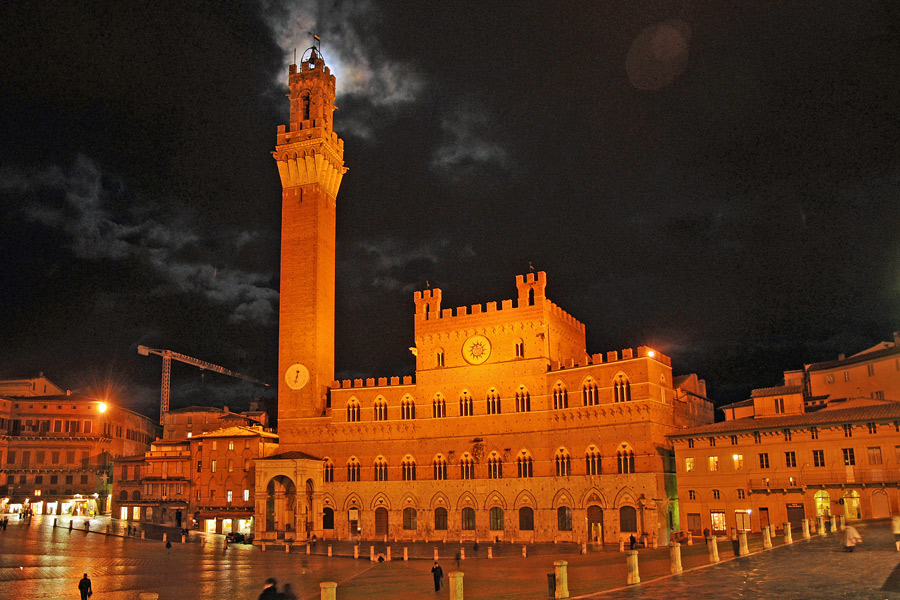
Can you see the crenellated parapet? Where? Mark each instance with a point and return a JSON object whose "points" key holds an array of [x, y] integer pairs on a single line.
{"points": [[615, 356], [372, 382]]}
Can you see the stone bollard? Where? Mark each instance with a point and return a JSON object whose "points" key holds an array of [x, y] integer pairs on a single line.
{"points": [[372, 553], [456, 585], [788, 537], [148, 596], [435, 553], [631, 561], [621, 545], [713, 547], [355, 551], [653, 543], [165, 537], [833, 523], [690, 539], [143, 534], [308, 549], [183, 539], [54, 521], [675, 558], [70, 525], [842, 523], [287, 548], [524, 551], [108, 529], [820, 524], [263, 546], [387, 555], [462, 554], [329, 549], [562, 578], [328, 590], [805, 523], [490, 552], [743, 548], [584, 547], [405, 553], [767, 538]]}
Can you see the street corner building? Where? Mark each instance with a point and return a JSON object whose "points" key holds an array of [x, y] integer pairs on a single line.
{"points": [[509, 429], [824, 445]]}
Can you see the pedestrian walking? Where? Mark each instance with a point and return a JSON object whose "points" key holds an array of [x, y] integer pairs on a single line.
{"points": [[632, 541], [458, 557], [438, 573], [226, 543], [287, 593], [851, 538], [270, 590], [168, 546], [84, 586]]}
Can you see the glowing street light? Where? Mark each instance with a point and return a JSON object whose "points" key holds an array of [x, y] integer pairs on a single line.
{"points": [[102, 406]]}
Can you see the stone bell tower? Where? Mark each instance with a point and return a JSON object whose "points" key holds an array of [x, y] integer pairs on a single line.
{"points": [[310, 159]]}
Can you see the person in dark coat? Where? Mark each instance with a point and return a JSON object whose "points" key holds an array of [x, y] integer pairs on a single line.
{"points": [[438, 573], [270, 590], [287, 593], [84, 586], [632, 541]]}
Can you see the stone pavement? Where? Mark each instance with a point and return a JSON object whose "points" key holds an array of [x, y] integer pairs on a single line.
{"points": [[38, 561]]}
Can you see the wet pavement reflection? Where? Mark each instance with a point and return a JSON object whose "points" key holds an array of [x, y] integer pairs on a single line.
{"points": [[40, 561]]}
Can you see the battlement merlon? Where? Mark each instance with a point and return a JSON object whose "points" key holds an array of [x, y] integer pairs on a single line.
{"points": [[428, 304], [532, 287]]}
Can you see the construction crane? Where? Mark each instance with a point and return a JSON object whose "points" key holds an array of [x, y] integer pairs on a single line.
{"points": [[168, 356]]}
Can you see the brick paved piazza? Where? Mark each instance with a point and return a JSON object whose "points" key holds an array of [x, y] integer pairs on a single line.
{"points": [[38, 561]]}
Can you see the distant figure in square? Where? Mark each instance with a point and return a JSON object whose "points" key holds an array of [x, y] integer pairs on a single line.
{"points": [[438, 573], [84, 586], [168, 546], [632, 541], [851, 538]]}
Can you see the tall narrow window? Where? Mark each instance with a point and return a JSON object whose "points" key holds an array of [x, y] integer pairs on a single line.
{"points": [[625, 459], [440, 468], [589, 393], [563, 463], [408, 408], [466, 406], [523, 400], [520, 349], [304, 107], [622, 389], [439, 358], [438, 407], [353, 410], [381, 409], [525, 464], [329, 471], [381, 469], [495, 467], [353, 470], [466, 467], [592, 461], [560, 397], [408, 468], [493, 402]]}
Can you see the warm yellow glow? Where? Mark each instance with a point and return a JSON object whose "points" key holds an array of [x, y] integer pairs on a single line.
{"points": [[734, 456], [652, 353], [102, 407]]}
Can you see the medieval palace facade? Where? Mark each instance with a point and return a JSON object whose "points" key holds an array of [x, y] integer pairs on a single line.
{"points": [[509, 429]]}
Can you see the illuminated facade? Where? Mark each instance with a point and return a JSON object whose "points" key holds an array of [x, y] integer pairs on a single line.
{"points": [[508, 430], [827, 442], [57, 449]]}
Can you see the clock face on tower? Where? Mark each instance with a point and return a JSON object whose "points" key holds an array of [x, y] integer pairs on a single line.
{"points": [[476, 349], [296, 376]]}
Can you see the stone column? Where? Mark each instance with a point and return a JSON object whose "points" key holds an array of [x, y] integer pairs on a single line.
{"points": [[767, 538], [806, 535], [631, 561], [788, 537], [675, 558], [743, 549], [456, 585], [833, 523], [562, 578], [820, 524], [713, 547], [328, 590]]}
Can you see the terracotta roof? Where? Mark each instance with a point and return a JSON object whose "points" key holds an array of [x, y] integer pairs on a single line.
{"points": [[291, 454], [236, 431], [775, 391], [741, 404], [856, 358], [838, 416], [190, 409]]}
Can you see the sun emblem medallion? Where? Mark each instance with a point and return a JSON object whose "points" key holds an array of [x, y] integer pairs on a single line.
{"points": [[476, 349]]}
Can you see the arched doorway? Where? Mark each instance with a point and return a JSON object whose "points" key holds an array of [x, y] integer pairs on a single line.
{"points": [[381, 521], [328, 518], [281, 505], [628, 519], [823, 503], [595, 523], [851, 505], [881, 508]]}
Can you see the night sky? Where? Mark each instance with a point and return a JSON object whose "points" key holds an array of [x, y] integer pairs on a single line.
{"points": [[717, 180]]}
